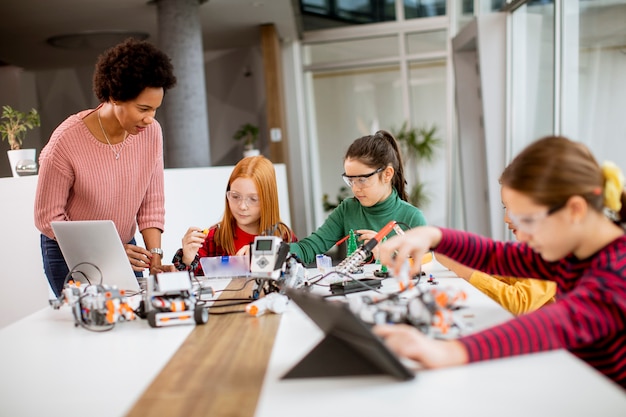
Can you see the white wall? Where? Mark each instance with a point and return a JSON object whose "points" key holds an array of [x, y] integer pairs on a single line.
{"points": [[24, 286]]}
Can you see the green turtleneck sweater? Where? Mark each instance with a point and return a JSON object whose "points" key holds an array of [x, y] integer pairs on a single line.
{"points": [[350, 214]]}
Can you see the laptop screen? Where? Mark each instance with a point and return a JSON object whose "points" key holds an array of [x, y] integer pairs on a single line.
{"points": [[94, 248]]}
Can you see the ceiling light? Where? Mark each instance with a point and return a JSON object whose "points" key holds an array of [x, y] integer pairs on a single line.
{"points": [[94, 40]]}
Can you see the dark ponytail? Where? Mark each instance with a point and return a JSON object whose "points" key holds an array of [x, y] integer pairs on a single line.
{"points": [[381, 150]]}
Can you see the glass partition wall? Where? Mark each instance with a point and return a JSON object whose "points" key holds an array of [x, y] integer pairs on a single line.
{"points": [[360, 83], [568, 60], [532, 73], [593, 92], [565, 66]]}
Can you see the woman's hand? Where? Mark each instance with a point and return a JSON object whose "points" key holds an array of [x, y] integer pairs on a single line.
{"points": [[408, 342], [415, 243], [162, 268], [192, 242], [140, 258]]}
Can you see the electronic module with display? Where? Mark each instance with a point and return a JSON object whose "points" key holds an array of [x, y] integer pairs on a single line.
{"points": [[268, 256]]}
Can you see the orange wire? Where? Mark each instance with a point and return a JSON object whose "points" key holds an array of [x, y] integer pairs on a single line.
{"points": [[343, 239]]}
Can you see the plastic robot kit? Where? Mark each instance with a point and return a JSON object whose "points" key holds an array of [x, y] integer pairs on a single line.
{"points": [[273, 270], [169, 300], [432, 309], [95, 307]]}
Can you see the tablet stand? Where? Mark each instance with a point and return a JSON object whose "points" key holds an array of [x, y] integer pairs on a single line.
{"points": [[349, 348], [333, 357]]}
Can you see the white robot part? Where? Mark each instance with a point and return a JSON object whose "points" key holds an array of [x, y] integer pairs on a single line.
{"points": [[272, 302]]}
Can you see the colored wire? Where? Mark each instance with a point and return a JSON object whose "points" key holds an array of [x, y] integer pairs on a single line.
{"points": [[343, 239]]}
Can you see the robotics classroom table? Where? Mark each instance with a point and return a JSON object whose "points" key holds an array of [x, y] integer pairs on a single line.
{"points": [[232, 366], [245, 358]]}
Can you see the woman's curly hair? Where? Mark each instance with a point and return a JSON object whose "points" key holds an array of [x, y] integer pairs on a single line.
{"points": [[125, 70]]}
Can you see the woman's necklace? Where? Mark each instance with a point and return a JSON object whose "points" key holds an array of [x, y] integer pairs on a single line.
{"points": [[117, 154]]}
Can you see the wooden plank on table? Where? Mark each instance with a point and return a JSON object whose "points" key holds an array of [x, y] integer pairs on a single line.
{"points": [[219, 369]]}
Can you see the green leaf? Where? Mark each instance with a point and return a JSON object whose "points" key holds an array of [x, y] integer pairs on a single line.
{"points": [[419, 144], [14, 124], [249, 132]]}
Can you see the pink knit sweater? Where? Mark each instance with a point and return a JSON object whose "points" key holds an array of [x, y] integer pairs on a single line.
{"points": [[80, 179]]}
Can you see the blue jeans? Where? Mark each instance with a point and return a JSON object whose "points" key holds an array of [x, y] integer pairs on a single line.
{"points": [[54, 264]]}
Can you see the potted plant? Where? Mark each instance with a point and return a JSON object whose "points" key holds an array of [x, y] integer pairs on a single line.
{"points": [[250, 134], [13, 127], [417, 145], [344, 192]]}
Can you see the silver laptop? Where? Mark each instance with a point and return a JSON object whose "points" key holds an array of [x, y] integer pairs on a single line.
{"points": [[96, 246]]}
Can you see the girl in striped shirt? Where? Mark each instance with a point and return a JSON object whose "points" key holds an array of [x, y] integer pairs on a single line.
{"points": [[567, 210]]}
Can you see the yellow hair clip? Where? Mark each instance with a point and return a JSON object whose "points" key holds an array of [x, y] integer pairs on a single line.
{"points": [[613, 186]]}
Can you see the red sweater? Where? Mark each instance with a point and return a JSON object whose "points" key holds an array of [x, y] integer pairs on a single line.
{"points": [[588, 317], [80, 179], [210, 248]]}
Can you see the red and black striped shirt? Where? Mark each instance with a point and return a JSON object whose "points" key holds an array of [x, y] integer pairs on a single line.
{"points": [[589, 315]]}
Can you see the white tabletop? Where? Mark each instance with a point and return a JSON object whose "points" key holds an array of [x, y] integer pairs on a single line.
{"points": [[49, 367], [547, 384]]}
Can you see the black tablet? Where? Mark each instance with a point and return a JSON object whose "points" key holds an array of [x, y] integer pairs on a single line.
{"points": [[348, 348]]}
